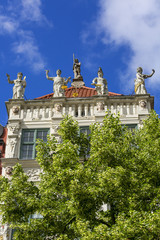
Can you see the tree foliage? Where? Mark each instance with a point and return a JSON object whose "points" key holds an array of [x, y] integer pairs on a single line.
{"points": [[121, 172]]}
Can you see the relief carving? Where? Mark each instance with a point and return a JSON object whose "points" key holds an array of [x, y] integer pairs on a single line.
{"points": [[12, 146], [15, 110], [33, 174], [58, 107], [100, 106], [13, 128], [55, 128], [143, 104], [8, 172]]}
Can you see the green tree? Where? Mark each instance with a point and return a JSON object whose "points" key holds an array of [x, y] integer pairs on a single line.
{"points": [[122, 173]]}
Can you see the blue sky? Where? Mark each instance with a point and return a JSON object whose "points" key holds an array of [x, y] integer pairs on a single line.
{"points": [[117, 35]]}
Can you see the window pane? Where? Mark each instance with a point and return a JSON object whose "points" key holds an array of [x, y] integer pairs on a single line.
{"points": [[85, 130], [27, 151], [131, 127], [42, 134], [28, 136]]}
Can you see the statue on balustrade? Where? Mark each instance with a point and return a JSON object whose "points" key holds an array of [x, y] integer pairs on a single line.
{"points": [[139, 82], [59, 83], [100, 83], [19, 86], [77, 69]]}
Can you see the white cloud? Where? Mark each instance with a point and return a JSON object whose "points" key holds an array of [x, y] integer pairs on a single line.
{"points": [[15, 18], [135, 24], [7, 25], [31, 10], [27, 48]]}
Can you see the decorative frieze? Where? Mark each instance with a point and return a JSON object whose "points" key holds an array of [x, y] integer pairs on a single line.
{"points": [[33, 174]]}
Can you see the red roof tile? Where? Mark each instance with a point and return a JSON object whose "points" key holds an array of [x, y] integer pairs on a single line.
{"points": [[82, 92]]}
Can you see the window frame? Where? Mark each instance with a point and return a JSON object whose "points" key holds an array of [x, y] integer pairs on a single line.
{"points": [[132, 126], [35, 132]]}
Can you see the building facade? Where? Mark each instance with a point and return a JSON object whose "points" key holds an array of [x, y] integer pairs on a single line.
{"points": [[32, 119]]}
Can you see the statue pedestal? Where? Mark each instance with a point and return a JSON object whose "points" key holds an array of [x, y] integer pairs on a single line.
{"points": [[78, 82]]}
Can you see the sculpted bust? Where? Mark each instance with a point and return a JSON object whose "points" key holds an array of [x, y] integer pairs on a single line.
{"points": [[19, 85], [139, 82], [100, 83], [60, 83]]}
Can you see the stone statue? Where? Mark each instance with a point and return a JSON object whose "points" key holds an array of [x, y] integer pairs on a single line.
{"points": [[77, 69], [60, 83], [139, 82], [19, 86], [100, 83]]}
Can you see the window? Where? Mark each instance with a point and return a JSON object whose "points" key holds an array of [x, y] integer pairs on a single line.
{"points": [[131, 126], [85, 130], [28, 142]]}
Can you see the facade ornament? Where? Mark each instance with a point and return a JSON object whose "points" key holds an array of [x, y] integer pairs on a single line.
{"points": [[12, 144], [139, 82], [100, 106], [60, 83], [15, 109], [55, 128], [14, 129], [143, 104], [58, 107], [8, 172], [19, 86], [100, 83], [34, 174]]}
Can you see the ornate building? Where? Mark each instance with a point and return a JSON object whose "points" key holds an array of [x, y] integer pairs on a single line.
{"points": [[32, 119]]}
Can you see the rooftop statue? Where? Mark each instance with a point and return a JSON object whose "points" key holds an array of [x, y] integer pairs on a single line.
{"points": [[100, 83], [139, 82], [19, 86], [60, 83], [77, 69]]}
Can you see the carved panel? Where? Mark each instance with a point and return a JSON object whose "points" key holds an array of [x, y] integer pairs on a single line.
{"points": [[14, 128], [12, 142], [15, 110], [100, 106], [33, 174], [143, 104]]}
